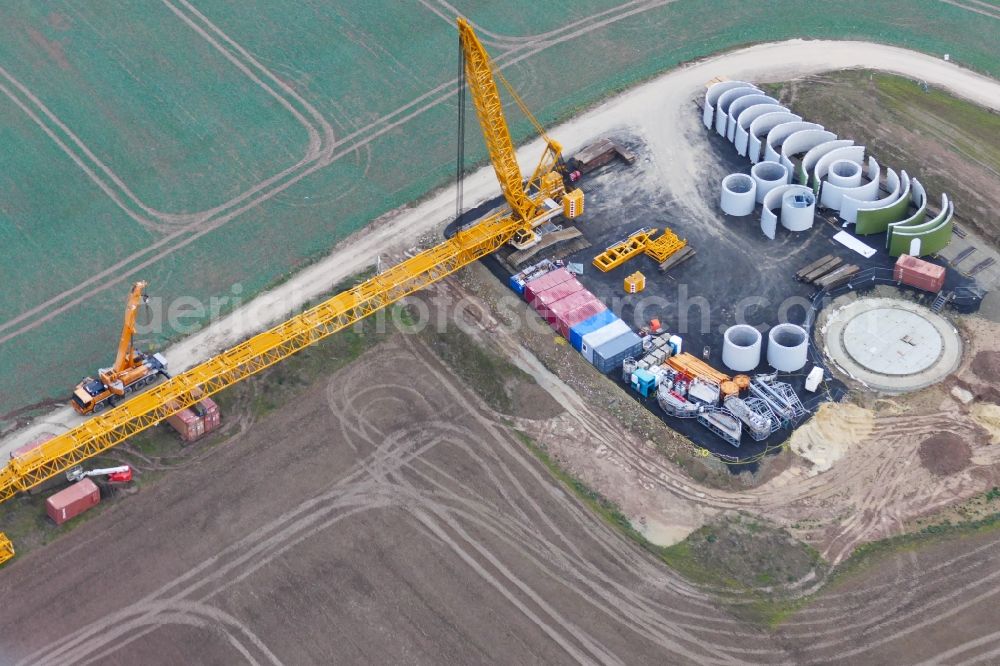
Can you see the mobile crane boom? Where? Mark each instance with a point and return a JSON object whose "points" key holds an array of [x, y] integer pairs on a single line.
{"points": [[530, 202], [125, 358]]}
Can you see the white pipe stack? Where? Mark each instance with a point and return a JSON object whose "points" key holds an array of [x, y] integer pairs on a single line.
{"points": [[787, 347], [738, 194], [741, 348]]}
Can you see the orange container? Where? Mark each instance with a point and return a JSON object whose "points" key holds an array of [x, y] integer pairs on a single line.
{"points": [[71, 502]]}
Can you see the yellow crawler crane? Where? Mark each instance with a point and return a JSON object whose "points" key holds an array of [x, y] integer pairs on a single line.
{"points": [[529, 204]]}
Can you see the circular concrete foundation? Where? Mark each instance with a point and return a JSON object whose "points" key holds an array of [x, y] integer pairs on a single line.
{"points": [[891, 345]]}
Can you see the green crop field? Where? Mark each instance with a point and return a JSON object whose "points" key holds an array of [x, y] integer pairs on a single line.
{"points": [[199, 145]]}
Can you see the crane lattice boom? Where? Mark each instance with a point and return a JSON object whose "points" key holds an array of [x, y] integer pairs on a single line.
{"points": [[528, 205]]}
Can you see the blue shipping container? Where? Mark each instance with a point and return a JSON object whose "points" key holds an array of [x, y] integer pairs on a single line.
{"points": [[589, 325], [515, 283]]}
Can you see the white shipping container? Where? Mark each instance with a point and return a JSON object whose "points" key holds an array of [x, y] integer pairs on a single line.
{"points": [[596, 338]]}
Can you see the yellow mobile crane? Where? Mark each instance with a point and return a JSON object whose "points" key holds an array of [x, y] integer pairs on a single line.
{"points": [[531, 203], [132, 368]]}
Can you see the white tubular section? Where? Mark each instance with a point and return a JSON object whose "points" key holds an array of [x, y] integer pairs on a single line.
{"points": [[741, 348], [852, 153], [712, 97], [779, 133], [787, 347], [767, 175], [769, 226], [918, 197], [742, 140], [798, 209], [830, 194], [739, 106], [801, 142], [725, 100], [947, 209], [761, 125], [844, 173], [852, 197], [899, 186], [775, 201], [738, 194], [815, 154]]}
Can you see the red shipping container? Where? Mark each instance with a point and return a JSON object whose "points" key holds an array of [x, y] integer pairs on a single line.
{"points": [[210, 414], [571, 302], [547, 281], [919, 273], [544, 299], [574, 309], [33, 444], [71, 502], [581, 313], [548, 298], [188, 425]]}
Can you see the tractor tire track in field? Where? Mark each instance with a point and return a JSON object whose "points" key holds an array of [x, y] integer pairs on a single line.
{"points": [[330, 152], [468, 485], [398, 472], [883, 479], [181, 230]]}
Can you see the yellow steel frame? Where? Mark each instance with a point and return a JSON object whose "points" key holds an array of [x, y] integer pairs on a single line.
{"points": [[622, 251], [6, 548], [642, 241], [660, 249], [263, 350]]}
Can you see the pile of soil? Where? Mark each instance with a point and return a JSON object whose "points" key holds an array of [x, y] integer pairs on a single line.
{"points": [[986, 365], [944, 453], [752, 553]]}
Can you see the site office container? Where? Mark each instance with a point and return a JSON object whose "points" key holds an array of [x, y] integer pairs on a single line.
{"points": [[544, 300], [589, 325], [574, 309], [33, 444], [596, 338], [919, 273], [547, 281], [71, 502], [608, 357]]}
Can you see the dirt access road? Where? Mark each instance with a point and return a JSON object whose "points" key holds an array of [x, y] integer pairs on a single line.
{"points": [[387, 515], [660, 109]]}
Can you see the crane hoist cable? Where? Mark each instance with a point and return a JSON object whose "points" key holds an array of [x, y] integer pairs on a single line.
{"points": [[460, 148]]}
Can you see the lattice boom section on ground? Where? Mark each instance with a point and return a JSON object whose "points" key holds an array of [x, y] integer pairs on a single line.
{"points": [[259, 352]]}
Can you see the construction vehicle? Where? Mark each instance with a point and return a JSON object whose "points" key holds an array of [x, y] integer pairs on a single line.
{"points": [[131, 371], [120, 474], [469, 244]]}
